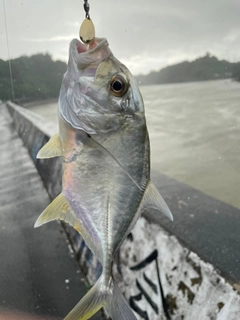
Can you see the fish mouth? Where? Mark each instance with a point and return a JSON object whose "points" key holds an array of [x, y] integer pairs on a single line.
{"points": [[88, 56], [84, 47], [81, 47], [96, 45]]}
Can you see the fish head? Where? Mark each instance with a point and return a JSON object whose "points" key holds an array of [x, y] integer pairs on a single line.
{"points": [[98, 93]]}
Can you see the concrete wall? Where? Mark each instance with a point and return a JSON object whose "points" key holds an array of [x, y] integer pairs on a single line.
{"points": [[161, 278]]}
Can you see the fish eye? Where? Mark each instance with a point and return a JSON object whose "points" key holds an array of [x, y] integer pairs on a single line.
{"points": [[118, 86]]}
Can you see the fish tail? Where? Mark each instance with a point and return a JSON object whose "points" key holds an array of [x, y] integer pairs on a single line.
{"points": [[117, 306], [89, 304], [102, 295]]}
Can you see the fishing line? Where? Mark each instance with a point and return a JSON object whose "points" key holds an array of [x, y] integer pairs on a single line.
{"points": [[9, 61]]}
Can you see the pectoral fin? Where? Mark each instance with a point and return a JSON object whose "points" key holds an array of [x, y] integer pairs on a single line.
{"points": [[152, 198], [59, 209], [51, 149]]}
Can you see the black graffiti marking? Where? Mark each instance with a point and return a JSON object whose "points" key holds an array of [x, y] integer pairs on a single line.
{"points": [[130, 237], [148, 260], [143, 314], [153, 256], [164, 303], [148, 298], [151, 284]]}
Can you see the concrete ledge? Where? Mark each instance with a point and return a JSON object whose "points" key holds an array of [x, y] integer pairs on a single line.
{"points": [[159, 273]]}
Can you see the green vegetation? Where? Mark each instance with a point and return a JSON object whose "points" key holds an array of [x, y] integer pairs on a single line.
{"points": [[39, 77], [236, 71], [201, 69], [35, 78]]}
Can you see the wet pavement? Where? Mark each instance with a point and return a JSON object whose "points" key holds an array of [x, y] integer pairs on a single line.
{"points": [[38, 275]]}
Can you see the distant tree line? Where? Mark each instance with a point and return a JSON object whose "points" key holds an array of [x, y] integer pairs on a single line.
{"points": [[34, 78], [201, 69], [236, 71], [39, 77]]}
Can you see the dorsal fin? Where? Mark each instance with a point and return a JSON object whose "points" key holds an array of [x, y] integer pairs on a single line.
{"points": [[51, 149], [59, 209], [152, 198]]}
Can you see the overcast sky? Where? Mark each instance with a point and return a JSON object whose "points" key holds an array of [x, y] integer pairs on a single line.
{"points": [[144, 34]]}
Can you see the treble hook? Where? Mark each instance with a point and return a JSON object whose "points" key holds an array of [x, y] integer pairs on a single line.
{"points": [[87, 9]]}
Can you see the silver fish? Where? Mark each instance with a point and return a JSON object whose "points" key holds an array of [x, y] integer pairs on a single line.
{"points": [[104, 144]]}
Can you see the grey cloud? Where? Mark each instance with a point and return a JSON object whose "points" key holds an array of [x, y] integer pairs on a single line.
{"points": [[145, 35]]}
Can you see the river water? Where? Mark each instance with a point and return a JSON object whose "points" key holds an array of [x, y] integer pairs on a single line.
{"points": [[194, 133]]}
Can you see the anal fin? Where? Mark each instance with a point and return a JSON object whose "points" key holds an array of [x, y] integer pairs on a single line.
{"points": [[59, 209], [51, 149], [153, 199]]}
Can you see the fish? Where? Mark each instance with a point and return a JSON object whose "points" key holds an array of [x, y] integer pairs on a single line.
{"points": [[104, 144]]}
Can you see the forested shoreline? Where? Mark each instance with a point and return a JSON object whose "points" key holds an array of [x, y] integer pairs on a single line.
{"points": [[201, 69], [39, 77]]}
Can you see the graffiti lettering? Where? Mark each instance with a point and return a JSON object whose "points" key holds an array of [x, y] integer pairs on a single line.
{"points": [[155, 287]]}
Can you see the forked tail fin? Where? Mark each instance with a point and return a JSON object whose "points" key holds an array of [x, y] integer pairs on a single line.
{"points": [[100, 296], [117, 306]]}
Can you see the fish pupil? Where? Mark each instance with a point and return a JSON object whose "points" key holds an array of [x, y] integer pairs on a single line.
{"points": [[117, 85]]}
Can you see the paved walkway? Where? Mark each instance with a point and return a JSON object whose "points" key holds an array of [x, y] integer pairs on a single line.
{"points": [[38, 276]]}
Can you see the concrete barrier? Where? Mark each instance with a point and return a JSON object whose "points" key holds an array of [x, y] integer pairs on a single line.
{"points": [[159, 273]]}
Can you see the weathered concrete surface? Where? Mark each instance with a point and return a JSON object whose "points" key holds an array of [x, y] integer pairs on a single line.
{"points": [[192, 288], [162, 277], [38, 275], [207, 226], [164, 280]]}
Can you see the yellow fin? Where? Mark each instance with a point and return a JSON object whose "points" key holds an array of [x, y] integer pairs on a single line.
{"points": [[51, 149], [59, 209]]}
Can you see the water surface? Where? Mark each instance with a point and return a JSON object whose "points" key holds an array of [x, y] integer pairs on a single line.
{"points": [[194, 132]]}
